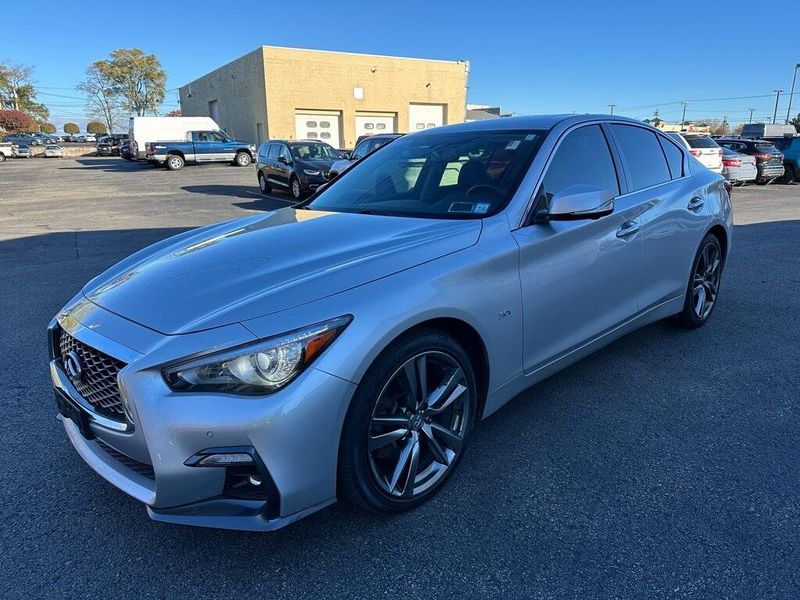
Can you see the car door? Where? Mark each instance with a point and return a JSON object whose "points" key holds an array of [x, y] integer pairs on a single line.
{"points": [[579, 279], [674, 215], [223, 148], [203, 146], [283, 166]]}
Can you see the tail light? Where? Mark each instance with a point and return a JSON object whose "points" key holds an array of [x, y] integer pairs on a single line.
{"points": [[695, 152], [763, 156], [731, 162]]}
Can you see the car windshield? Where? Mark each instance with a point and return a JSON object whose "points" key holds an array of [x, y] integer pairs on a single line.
{"points": [[314, 151], [442, 175], [701, 141]]}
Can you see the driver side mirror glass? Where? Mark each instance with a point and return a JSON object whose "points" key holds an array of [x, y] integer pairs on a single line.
{"points": [[578, 202]]}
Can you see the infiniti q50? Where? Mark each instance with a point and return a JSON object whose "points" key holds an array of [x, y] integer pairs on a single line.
{"points": [[248, 373]]}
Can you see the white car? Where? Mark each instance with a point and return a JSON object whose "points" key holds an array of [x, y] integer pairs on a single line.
{"points": [[86, 137], [6, 150], [53, 151], [703, 148]]}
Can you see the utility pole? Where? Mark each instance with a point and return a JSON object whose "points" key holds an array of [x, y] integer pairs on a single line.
{"points": [[752, 110], [777, 97], [683, 117], [611, 106], [789, 110]]}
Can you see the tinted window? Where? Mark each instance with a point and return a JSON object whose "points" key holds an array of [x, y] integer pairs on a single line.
{"points": [[274, 150], [643, 156], [674, 157], [583, 157], [283, 152], [700, 141], [361, 149], [766, 147]]}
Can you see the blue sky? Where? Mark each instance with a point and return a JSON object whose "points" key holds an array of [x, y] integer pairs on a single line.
{"points": [[527, 57]]}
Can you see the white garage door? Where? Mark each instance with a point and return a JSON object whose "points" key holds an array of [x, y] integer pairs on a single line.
{"points": [[370, 125], [424, 116], [318, 127]]}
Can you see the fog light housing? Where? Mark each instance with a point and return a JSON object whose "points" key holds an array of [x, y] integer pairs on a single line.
{"points": [[225, 460]]}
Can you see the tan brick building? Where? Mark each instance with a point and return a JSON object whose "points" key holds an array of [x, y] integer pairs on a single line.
{"points": [[291, 93]]}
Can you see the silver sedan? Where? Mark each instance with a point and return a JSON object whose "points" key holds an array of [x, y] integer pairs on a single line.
{"points": [[246, 374]]}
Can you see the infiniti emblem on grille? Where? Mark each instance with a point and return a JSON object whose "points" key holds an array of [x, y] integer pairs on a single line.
{"points": [[72, 364]]}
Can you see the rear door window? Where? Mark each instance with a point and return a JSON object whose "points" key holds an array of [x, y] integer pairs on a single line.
{"points": [[274, 150], [644, 158], [583, 157]]}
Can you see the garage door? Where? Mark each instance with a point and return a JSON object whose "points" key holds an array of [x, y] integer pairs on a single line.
{"points": [[370, 125], [318, 127], [425, 116]]}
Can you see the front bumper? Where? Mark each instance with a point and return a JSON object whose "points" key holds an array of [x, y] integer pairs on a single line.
{"points": [[294, 434]]}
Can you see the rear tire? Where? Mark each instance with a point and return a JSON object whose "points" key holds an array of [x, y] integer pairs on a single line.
{"points": [[387, 459], [174, 162], [702, 291], [2, 157]]}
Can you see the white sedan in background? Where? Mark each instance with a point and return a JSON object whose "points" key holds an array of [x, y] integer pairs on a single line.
{"points": [[53, 151], [703, 148]]}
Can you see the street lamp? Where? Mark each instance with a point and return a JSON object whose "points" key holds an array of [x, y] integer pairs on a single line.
{"points": [[777, 97], [789, 110]]}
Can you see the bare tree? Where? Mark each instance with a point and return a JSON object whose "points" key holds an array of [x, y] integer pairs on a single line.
{"points": [[102, 99]]}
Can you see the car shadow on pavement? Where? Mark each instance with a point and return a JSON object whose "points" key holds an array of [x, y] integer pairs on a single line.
{"points": [[259, 201], [111, 164], [667, 448]]}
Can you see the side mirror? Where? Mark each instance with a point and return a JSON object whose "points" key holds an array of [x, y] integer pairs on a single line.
{"points": [[578, 202], [284, 160]]}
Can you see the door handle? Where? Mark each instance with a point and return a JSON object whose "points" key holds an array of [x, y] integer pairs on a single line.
{"points": [[628, 229], [695, 204]]}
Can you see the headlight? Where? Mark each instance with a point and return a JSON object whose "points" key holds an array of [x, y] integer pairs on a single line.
{"points": [[311, 171], [252, 147], [256, 369]]}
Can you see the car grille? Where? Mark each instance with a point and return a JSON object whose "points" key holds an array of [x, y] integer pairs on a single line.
{"points": [[134, 465], [98, 382]]}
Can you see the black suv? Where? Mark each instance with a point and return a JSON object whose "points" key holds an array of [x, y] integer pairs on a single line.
{"points": [[298, 167], [366, 145], [769, 160]]}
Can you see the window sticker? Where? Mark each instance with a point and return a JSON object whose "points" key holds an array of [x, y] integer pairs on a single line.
{"points": [[530, 137], [512, 145], [461, 207], [481, 208]]}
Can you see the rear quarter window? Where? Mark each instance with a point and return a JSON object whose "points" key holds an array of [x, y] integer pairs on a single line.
{"points": [[674, 157]]}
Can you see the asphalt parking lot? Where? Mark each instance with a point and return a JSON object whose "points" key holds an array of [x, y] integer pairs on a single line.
{"points": [[666, 465]]}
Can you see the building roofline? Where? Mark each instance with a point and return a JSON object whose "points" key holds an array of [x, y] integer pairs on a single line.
{"points": [[459, 61], [439, 60]]}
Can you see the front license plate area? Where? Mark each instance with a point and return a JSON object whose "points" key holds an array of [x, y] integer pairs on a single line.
{"points": [[69, 410]]}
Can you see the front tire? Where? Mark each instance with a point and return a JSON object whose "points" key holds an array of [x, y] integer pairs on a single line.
{"points": [[175, 162], [243, 159], [295, 189], [703, 288], [408, 424], [262, 184]]}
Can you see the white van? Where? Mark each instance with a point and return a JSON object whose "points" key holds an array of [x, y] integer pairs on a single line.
{"points": [[142, 130]]}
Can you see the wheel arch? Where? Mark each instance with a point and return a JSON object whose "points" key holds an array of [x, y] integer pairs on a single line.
{"points": [[722, 235], [176, 153], [468, 338]]}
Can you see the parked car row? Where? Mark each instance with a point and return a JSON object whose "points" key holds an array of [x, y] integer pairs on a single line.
{"points": [[745, 159]]}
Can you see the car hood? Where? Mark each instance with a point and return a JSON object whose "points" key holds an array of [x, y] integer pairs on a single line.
{"points": [[252, 267]]}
